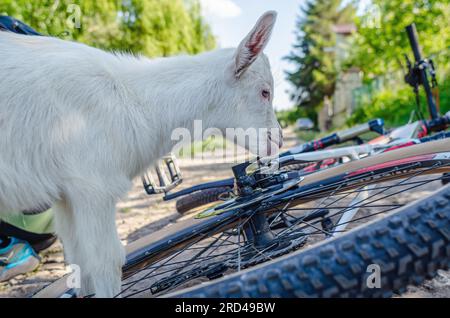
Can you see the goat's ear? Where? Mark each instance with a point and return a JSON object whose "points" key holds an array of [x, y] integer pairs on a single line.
{"points": [[254, 43]]}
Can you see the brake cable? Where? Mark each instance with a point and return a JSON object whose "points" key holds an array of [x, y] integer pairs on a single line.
{"points": [[412, 78], [434, 85]]}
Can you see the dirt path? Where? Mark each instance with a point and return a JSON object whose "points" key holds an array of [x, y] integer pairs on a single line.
{"points": [[141, 214]]}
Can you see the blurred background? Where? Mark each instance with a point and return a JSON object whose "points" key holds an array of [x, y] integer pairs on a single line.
{"points": [[336, 62]]}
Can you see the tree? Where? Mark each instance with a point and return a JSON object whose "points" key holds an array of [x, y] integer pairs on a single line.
{"points": [[316, 71], [379, 51], [170, 26], [382, 41], [150, 27]]}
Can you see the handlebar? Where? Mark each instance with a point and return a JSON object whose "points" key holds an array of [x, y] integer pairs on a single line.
{"points": [[376, 125], [438, 124], [420, 67]]}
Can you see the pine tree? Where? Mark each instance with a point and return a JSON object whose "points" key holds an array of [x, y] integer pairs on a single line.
{"points": [[316, 72]]}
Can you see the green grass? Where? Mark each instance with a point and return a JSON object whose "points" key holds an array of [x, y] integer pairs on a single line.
{"points": [[308, 135], [209, 145], [396, 106], [125, 210]]}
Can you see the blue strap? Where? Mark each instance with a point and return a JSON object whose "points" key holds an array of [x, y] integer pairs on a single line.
{"points": [[16, 26]]}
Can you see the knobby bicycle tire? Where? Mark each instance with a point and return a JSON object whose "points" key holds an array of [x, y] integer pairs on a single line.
{"points": [[409, 246], [200, 198]]}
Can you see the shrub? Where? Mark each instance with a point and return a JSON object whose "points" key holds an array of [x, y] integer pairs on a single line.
{"points": [[396, 105]]}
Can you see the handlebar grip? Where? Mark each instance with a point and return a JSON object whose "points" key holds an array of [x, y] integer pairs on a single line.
{"points": [[353, 132], [376, 125]]}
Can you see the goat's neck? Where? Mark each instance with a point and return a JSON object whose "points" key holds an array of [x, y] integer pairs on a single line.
{"points": [[172, 94]]}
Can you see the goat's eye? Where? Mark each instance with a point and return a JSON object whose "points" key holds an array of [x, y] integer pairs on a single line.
{"points": [[265, 93]]}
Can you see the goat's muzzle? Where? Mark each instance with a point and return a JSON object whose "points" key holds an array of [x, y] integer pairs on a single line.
{"points": [[274, 140]]}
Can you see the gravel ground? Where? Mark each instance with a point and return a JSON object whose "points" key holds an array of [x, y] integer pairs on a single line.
{"points": [[141, 214]]}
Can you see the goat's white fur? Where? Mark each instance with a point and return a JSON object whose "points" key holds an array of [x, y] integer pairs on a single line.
{"points": [[77, 124]]}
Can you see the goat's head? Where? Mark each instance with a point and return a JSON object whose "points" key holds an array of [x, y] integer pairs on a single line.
{"points": [[251, 90]]}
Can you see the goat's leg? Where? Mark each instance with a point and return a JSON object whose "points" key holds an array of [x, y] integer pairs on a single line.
{"points": [[87, 228], [63, 221]]}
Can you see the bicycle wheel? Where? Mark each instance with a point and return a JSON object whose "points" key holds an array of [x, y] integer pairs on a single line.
{"points": [[237, 235], [200, 198]]}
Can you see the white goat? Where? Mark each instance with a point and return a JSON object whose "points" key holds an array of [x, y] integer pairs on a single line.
{"points": [[77, 124]]}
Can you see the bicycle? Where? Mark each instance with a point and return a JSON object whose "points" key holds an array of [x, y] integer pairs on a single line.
{"points": [[256, 240], [236, 235]]}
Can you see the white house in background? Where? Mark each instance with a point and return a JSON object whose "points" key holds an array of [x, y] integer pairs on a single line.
{"points": [[337, 109]]}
